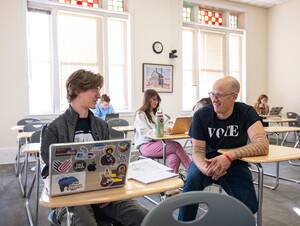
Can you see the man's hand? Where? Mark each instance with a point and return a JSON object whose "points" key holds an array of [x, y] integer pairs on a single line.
{"points": [[216, 167]]}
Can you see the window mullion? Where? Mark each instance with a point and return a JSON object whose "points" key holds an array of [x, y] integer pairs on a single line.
{"points": [[106, 56]]}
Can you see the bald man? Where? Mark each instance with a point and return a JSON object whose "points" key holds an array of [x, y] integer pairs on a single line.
{"points": [[224, 124]]}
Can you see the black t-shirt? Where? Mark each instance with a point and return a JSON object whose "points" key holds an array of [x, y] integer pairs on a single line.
{"points": [[83, 130], [228, 133]]}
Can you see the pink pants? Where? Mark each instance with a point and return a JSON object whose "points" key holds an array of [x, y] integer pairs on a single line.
{"points": [[175, 153]]}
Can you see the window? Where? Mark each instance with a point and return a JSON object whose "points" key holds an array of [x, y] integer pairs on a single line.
{"points": [[62, 40], [212, 48]]}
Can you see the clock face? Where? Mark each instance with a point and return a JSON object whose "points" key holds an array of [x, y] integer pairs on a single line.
{"points": [[157, 47]]}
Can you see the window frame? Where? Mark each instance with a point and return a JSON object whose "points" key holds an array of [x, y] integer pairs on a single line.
{"points": [[54, 7]]}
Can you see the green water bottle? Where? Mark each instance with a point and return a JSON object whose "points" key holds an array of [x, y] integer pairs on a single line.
{"points": [[159, 123]]}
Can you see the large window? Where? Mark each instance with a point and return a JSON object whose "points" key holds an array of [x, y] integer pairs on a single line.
{"points": [[62, 39], [212, 42]]}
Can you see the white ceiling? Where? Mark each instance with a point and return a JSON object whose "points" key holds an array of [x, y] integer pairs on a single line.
{"points": [[260, 3]]}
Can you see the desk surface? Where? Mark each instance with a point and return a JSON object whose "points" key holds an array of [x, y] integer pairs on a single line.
{"points": [[279, 120], [31, 148], [276, 154], [281, 129], [17, 128], [123, 128], [132, 189], [24, 135], [169, 137]]}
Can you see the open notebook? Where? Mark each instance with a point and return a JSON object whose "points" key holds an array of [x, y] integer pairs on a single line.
{"points": [[87, 166]]}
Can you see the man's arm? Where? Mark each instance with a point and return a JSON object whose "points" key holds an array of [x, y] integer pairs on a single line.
{"points": [[259, 143], [199, 154]]}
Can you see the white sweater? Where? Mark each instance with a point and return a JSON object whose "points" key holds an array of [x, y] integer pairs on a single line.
{"points": [[143, 127]]}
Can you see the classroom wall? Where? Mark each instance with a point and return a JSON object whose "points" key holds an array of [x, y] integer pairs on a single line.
{"points": [[283, 51], [152, 20]]}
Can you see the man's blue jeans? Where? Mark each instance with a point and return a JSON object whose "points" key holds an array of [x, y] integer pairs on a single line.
{"points": [[237, 183]]}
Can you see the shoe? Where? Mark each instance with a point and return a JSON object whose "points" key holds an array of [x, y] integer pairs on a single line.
{"points": [[173, 192], [182, 174]]}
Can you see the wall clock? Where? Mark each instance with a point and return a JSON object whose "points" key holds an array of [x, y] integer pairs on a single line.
{"points": [[157, 47]]}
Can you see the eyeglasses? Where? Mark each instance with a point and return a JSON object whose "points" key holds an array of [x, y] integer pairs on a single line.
{"points": [[96, 91], [218, 96]]}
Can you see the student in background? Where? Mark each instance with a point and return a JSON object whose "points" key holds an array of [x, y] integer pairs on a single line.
{"points": [[103, 107], [224, 124], [201, 103], [145, 124], [79, 124], [261, 105]]}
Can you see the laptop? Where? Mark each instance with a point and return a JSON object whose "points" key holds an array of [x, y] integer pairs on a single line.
{"points": [[88, 166], [111, 115], [181, 125], [275, 110]]}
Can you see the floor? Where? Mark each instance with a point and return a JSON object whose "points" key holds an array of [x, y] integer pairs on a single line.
{"points": [[280, 206]]}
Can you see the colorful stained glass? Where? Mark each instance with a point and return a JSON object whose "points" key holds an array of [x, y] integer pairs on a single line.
{"points": [[88, 3], [186, 13], [233, 21], [210, 17], [116, 5]]}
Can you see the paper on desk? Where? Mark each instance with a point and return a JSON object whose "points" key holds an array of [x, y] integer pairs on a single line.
{"points": [[147, 171]]}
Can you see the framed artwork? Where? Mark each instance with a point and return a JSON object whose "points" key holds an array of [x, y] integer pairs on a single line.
{"points": [[158, 77]]}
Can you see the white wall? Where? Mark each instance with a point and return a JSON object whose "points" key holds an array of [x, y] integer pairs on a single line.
{"points": [[152, 20], [284, 49]]}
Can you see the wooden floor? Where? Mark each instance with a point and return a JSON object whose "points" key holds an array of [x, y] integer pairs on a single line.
{"points": [[280, 206]]}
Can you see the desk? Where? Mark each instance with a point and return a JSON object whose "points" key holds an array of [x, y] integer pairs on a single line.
{"points": [[35, 149], [124, 129], [276, 154], [279, 120], [282, 129], [132, 189], [168, 137], [17, 128]]}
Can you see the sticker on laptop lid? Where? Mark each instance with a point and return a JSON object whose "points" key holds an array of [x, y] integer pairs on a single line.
{"points": [[124, 146], [108, 158], [68, 183], [65, 151], [62, 167]]}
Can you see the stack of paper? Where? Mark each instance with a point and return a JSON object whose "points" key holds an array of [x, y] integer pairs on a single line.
{"points": [[147, 171]]}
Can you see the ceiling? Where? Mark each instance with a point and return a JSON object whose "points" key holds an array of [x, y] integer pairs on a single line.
{"points": [[260, 3]]}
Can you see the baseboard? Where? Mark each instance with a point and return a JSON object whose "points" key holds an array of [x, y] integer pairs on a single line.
{"points": [[7, 155]]}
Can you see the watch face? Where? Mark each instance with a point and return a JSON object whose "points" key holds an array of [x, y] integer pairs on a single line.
{"points": [[157, 47]]}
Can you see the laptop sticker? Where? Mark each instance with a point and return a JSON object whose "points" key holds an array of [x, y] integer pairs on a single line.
{"points": [[92, 167], [121, 171], [68, 183], [108, 158], [65, 151], [79, 165], [106, 179], [84, 154], [62, 167], [124, 146]]}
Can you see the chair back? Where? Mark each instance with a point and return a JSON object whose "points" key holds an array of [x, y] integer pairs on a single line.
{"points": [[36, 137], [117, 122], [25, 121], [292, 115], [297, 123], [34, 126], [222, 210]]}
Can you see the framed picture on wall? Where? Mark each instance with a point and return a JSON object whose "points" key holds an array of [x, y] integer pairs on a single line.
{"points": [[158, 77]]}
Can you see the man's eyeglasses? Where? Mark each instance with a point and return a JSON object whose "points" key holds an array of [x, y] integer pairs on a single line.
{"points": [[96, 91], [217, 95]]}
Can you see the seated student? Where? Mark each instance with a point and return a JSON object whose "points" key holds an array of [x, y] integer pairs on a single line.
{"points": [[79, 124], [224, 124], [262, 108], [145, 124], [201, 103], [103, 107]]}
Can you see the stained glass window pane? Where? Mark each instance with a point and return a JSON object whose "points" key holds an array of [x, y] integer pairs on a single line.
{"points": [[210, 17], [88, 3], [187, 13], [116, 5], [233, 21]]}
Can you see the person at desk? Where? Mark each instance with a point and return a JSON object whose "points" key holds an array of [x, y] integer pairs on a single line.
{"points": [[145, 124], [103, 107], [201, 103], [225, 124], [262, 108], [79, 124]]}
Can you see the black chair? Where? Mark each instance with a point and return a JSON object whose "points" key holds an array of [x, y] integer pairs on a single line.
{"points": [[34, 126], [221, 210], [117, 122], [292, 115]]}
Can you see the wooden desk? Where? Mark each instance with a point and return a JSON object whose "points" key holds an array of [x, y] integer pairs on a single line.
{"points": [[124, 129], [279, 120], [168, 137], [276, 154], [17, 128], [32, 148], [132, 189], [282, 129]]}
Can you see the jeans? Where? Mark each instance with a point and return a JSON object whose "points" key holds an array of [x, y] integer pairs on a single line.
{"points": [[237, 182]]}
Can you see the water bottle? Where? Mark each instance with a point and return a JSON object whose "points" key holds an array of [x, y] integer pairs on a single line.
{"points": [[159, 123]]}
